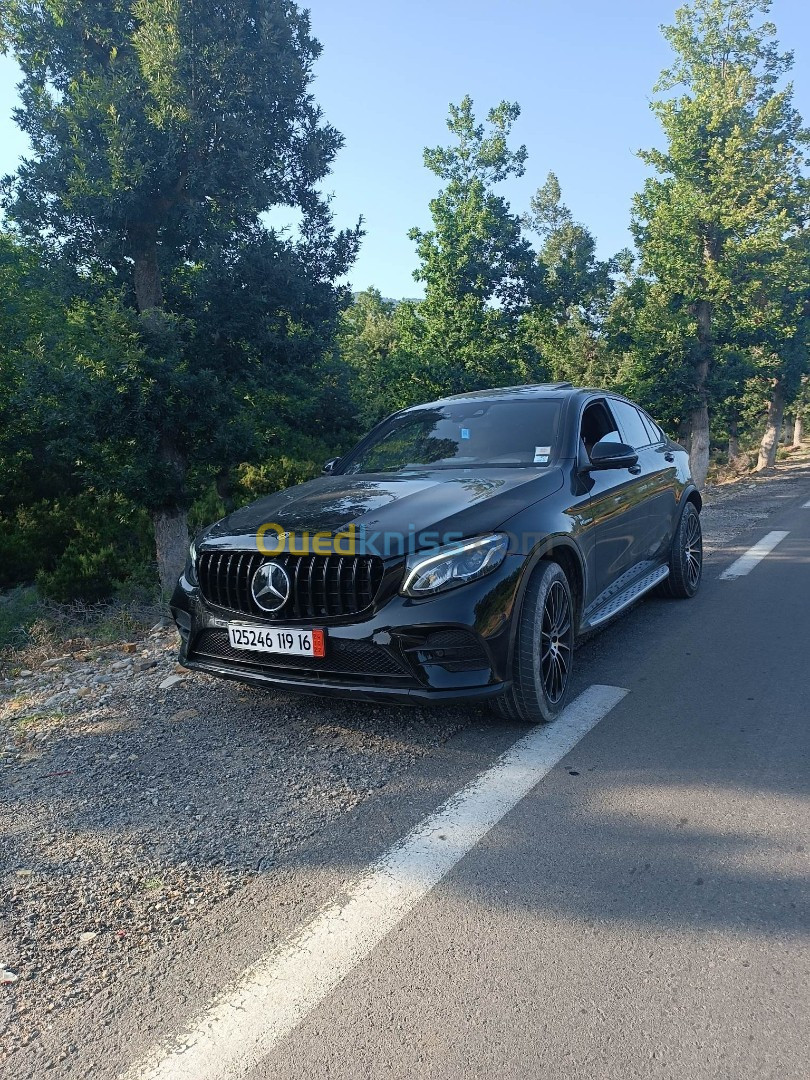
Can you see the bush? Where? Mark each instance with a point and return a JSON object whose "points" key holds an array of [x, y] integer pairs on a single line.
{"points": [[83, 547]]}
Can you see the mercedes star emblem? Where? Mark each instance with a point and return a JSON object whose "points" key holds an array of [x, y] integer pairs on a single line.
{"points": [[271, 586]]}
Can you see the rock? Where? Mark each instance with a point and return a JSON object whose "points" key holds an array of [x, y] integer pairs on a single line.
{"points": [[83, 691], [7, 977], [24, 873], [26, 674], [119, 665], [87, 937], [159, 626], [55, 660], [55, 699], [172, 680], [185, 714], [129, 647], [145, 665]]}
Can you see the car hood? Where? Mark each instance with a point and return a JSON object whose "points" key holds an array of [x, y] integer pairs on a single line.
{"points": [[463, 503]]}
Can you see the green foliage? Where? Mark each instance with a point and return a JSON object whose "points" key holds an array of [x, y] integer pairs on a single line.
{"points": [[568, 327], [479, 271], [718, 224], [161, 133], [19, 609], [85, 546], [184, 119]]}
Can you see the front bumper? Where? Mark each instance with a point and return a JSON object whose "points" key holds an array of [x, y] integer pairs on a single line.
{"points": [[453, 646]]}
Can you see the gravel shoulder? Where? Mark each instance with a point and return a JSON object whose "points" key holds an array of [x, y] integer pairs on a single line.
{"points": [[137, 797]]}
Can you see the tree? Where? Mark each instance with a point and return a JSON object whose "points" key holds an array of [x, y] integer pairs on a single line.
{"points": [[56, 526], [161, 132], [479, 271], [368, 342], [567, 327], [800, 409], [778, 318], [728, 188]]}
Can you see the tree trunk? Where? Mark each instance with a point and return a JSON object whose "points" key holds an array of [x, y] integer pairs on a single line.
{"points": [[171, 519], [733, 442], [699, 444], [798, 430], [225, 491], [699, 417], [146, 272], [773, 428], [683, 433], [171, 545]]}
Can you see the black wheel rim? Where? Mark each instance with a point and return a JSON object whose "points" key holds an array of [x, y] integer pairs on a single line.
{"points": [[555, 655], [693, 550]]}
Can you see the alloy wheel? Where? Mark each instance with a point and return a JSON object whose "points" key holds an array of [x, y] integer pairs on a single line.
{"points": [[555, 655], [693, 550]]}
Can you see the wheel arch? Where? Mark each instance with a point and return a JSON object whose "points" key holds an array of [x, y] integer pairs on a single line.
{"points": [[693, 496], [563, 551]]}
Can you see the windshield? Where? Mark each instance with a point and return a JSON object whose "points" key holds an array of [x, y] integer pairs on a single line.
{"points": [[502, 434]]}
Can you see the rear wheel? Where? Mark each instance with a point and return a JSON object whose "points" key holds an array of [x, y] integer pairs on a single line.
{"points": [[686, 557], [544, 649]]}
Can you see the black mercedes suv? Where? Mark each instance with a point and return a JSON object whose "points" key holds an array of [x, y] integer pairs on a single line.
{"points": [[457, 551]]}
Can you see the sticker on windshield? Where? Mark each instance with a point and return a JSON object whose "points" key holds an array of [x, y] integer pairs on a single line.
{"points": [[541, 454], [465, 433]]}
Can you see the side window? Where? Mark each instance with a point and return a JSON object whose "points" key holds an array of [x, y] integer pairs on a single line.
{"points": [[653, 430], [598, 425], [634, 428]]}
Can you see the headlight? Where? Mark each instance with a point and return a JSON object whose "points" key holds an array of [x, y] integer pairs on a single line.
{"points": [[455, 564], [191, 564]]}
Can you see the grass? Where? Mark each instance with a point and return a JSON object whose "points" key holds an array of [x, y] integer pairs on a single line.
{"points": [[33, 628], [19, 609]]}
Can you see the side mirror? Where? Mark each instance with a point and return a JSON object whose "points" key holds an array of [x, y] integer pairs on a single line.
{"points": [[329, 466], [612, 455]]}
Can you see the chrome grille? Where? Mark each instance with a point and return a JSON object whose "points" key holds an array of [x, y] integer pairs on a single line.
{"points": [[320, 585]]}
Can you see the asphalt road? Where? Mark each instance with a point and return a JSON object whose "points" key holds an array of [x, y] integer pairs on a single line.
{"points": [[641, 912]]}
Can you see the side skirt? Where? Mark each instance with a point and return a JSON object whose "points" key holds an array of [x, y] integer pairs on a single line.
{"points": [[622, 595]]}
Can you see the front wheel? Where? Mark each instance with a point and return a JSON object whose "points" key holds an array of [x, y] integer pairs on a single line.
{"points": [[544, 649], [686, 557]]}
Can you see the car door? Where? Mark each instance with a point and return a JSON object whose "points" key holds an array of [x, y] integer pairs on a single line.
{"points": [[655, 486], [666, 468], [610, 542]]}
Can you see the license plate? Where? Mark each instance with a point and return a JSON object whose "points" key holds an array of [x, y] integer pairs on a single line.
{"points": [[277, 640]]}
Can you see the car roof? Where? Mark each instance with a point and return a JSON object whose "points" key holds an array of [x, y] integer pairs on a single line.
{"points": [[506, 393]]}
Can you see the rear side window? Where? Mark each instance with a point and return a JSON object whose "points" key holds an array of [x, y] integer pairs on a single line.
{"points": [[656, 434], [630, 421]]}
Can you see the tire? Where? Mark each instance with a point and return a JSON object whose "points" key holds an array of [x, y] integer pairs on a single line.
{"points": [[544, 649], [686, 557]]}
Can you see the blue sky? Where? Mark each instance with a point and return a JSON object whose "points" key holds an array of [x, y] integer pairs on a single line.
{"points": [[582, 72]]}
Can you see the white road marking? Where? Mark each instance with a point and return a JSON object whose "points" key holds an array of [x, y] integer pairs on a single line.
{"points": [[806, 506], [242, 1026], [746, 563]]}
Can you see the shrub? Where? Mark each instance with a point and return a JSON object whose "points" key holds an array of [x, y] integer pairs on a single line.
{"points": [[83, 547]]}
